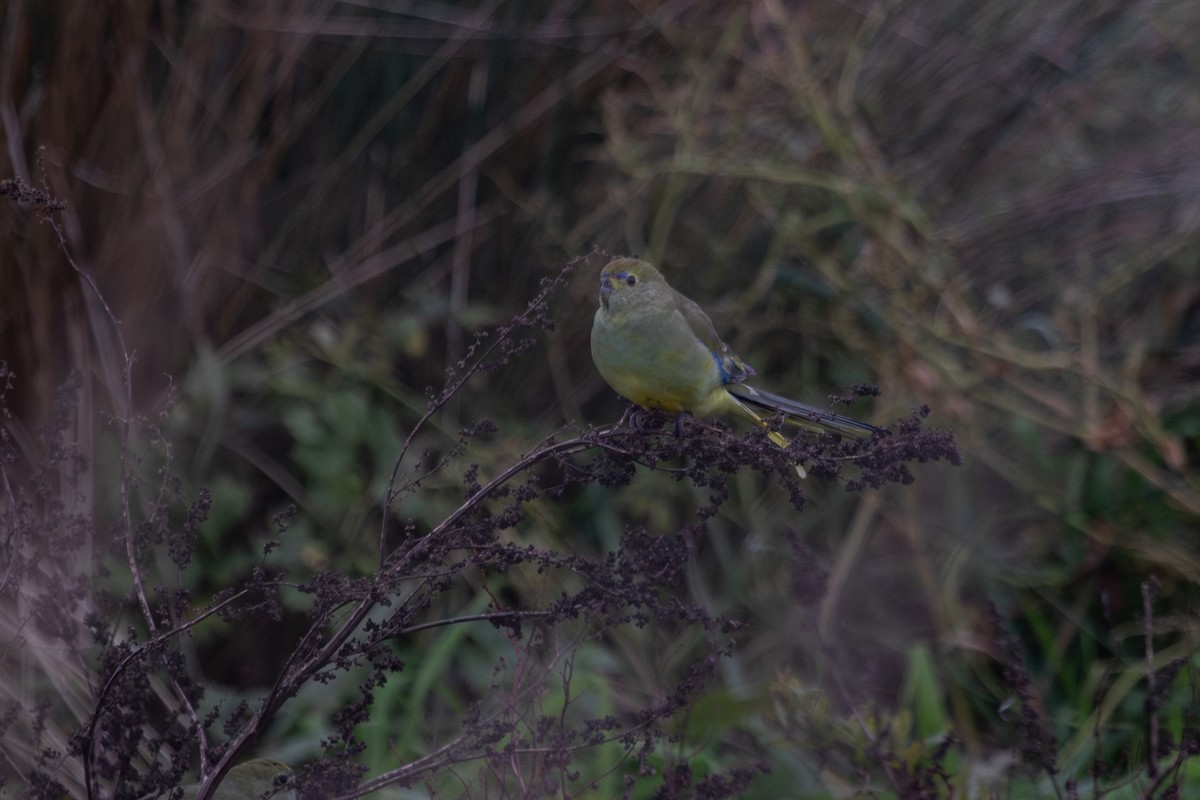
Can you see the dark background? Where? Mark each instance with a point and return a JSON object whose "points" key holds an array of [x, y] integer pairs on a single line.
{"points": [[301, 212]]}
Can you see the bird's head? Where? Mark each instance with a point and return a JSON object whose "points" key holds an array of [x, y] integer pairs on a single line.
{"points": [[628, 282]]}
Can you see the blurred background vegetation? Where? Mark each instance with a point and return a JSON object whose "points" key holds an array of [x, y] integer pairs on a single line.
{"points": [[302, 211]]}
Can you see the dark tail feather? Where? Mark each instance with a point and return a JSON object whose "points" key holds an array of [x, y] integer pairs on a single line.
{"points": [[800, 414]]}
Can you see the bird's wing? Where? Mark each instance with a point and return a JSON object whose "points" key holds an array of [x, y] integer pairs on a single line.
{"points": [[733, 369], [801, 414]]}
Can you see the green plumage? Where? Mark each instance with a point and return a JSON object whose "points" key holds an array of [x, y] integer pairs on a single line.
{"points": [[659, 349]]}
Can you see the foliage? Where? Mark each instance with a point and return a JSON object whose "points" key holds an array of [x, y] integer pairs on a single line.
{"points": [[527, 732], [300, 213]]}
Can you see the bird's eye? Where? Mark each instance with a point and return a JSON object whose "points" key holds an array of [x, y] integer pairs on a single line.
{"points": [[630, 280]]}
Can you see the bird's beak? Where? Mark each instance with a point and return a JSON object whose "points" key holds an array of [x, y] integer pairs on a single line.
{"points": [[605, 289]]}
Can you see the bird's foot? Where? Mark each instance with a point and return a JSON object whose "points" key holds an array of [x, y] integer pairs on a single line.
{"points": [[680, 419], [640, 419]]}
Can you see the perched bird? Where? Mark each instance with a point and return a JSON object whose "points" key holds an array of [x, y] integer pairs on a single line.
{"points": [[659, 349], [255, 779]]}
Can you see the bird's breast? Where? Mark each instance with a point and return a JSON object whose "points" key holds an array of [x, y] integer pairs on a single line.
{"points": [[655, 361]]}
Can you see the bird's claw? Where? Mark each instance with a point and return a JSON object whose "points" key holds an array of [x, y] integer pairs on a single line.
{"points": [[636, 419], [679, 422]]}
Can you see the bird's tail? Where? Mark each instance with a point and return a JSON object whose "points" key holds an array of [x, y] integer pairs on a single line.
{"points": [[778, 438], [800, 414]]}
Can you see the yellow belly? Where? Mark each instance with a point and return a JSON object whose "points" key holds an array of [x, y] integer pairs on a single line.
{"points": [[658, 372]]}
